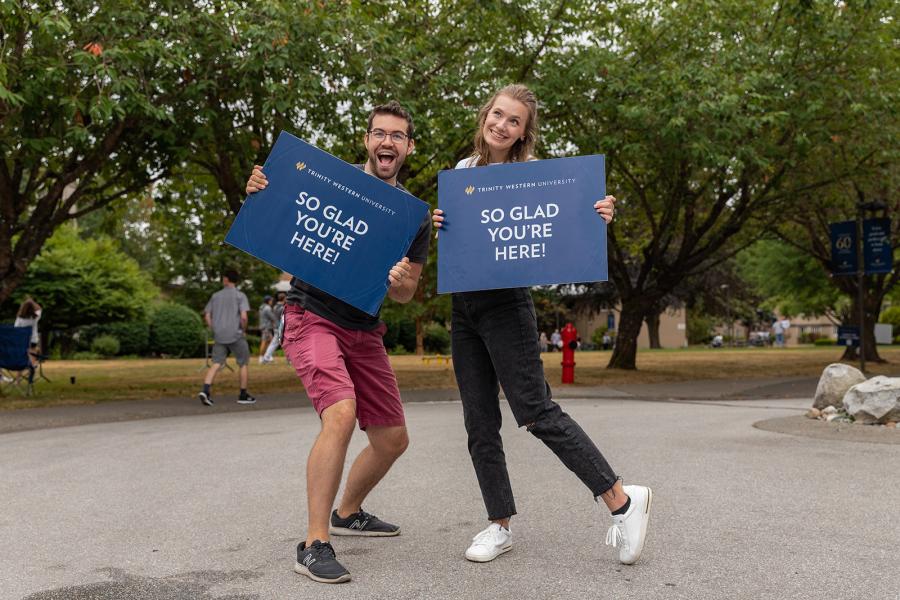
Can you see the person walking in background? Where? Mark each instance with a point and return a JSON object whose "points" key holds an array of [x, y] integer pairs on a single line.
{"points": [[778, 330], [226, 315], [495, 342], [28, 316], [278, 309], [267, 325], [555, 341]]}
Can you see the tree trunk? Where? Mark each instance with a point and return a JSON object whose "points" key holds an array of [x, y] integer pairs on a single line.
{"points": [[624, 354], [873, 309], [653, 330], [420, 337]]}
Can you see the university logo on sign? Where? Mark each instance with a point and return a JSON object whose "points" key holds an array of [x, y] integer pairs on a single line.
{"points": [[522, 224], [328, 223]]}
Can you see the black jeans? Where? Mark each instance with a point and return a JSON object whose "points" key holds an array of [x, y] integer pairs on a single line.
{"points": [[495, 342]]}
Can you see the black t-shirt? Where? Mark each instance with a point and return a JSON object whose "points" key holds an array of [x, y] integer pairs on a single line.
{"points": [[339, 312]]}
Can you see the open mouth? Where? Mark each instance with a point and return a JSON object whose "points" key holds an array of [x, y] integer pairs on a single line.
{"points": [[386, 159]]}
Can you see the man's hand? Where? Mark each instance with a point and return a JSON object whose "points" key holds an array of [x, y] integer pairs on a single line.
{"points": [[437, 218], [257, 180], [399, 273], [606, 208], [404, 279]]}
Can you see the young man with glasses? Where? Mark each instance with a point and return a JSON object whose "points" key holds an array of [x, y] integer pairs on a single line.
{"points": [[338, 352]]}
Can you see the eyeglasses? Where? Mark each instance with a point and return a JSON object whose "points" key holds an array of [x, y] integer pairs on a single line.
{"points": [[398, 137]]}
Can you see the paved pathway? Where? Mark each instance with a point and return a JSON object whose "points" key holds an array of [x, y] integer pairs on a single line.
{"points": [[211, 507]]}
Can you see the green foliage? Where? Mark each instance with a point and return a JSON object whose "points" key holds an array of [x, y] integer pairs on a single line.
{"points": [[437, 339], [597, 336], [891, 315], [401, 333], [825, 341], [792, 282], [399, 350], [105, 345], [700, 328], [176, 330], [133, 336], [80, 282]]}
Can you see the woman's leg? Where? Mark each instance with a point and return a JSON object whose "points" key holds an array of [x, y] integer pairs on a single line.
{"points": [[479, 391], [511, 338]]}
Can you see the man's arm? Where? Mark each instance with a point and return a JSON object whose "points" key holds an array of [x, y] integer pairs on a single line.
{"points": [[244, 321], [208, 318], [404, 278]]}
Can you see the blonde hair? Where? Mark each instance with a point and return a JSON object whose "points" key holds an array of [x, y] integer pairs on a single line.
{"points": [[521, 150]]}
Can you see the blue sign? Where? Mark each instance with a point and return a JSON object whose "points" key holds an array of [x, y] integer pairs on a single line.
{"points": [[877, 251], [848, 336], [522, 224], [327, 223], [844, 258]]}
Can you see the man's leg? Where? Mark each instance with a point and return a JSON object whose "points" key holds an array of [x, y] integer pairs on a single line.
{"points": [[211, 373], [386, 444], [326, 464]]}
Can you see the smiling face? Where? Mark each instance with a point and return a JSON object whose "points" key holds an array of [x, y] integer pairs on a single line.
{"points": [[386, 156], [504, 125]]}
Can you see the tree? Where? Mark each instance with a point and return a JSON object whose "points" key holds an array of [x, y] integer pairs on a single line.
{"points": [[83, 118], [80, 282], [708, 117]]}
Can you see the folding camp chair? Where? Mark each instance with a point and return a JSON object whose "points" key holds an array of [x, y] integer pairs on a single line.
{"points": [[15, 360]]}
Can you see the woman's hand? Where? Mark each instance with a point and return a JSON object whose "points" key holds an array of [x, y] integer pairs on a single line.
{"points": [[257, 180], [606, 208], [437, 218]]}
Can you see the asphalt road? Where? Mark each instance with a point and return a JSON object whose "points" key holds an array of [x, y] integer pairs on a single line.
{"points": [[212, 506]]}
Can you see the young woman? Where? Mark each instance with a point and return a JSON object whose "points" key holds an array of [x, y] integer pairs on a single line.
{"points": [[495, 342]]}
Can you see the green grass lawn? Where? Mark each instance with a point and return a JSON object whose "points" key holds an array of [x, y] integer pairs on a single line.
{"points": [[111, 380]]}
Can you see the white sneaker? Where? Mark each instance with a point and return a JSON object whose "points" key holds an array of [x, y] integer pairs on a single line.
{"points": [[490, 543], [629, 531]]}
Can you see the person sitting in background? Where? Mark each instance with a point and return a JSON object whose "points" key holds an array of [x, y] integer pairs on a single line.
{"points": [[28, 316]]}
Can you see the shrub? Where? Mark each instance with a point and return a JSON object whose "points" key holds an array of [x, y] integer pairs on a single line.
{"points": [[400, 332], [105, 345], [825, 341], [399, 350], [133, 336], [597, 336], [437, 339], [252, 341], [85, 356], [177, 330], [810, 337]]}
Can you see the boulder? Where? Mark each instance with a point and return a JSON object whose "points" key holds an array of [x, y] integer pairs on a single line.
{"points": [[874, 401], [836, 379]]}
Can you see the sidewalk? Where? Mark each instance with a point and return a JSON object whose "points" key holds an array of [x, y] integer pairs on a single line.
{"points": [[109, 412]]}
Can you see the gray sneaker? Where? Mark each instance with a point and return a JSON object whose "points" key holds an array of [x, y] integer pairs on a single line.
{"points": [[361, 523], [319, 563], [205, 398]]}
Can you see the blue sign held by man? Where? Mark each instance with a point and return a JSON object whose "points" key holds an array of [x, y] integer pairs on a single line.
{"points": [[522, 224], [328, 223]]}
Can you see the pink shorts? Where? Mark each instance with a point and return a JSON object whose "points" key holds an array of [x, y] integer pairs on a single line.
{"points": [[335, 364]]}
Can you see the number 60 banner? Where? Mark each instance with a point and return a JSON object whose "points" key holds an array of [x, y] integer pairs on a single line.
{"points": [[522, 224]]}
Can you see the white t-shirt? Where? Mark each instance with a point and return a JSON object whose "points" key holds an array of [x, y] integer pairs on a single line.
{"points": [[33, 323]]}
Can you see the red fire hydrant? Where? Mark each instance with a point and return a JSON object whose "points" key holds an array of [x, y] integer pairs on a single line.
{"points": [[570, 343]]}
